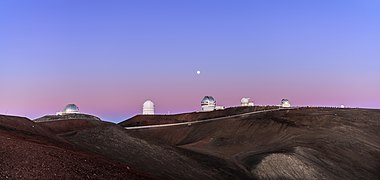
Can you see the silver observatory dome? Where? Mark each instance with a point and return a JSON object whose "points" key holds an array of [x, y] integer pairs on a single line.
{"points": [[208, 100], [71, 108], [284, 100]]}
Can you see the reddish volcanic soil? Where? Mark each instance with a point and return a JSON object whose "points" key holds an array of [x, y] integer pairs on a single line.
{"points": [[28, 151], [301, 143]]}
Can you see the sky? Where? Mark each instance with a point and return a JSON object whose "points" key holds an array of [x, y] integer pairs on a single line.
{"points": [[109, 56]]}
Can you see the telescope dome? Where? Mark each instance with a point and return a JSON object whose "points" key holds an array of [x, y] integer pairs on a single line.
{"points": [[208, 103], [208, 100], [245, 100], [285, 103], [71, 108], [148, 107]]}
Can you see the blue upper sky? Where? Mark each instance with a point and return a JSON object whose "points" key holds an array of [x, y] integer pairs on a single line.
{"points": [[324, 52]]}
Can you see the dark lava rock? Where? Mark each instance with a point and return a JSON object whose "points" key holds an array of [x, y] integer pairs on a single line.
{"points": [[67, 117]]}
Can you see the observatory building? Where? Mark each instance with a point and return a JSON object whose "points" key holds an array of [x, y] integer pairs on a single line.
{"points": [[285, 103], [69, 109], [148, 108], [246, 102], [208, 103]]}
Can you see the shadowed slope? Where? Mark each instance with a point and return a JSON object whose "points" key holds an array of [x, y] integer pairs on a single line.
{"points": [[29, 151], [306, 143], [69, 125], [162, 161]]}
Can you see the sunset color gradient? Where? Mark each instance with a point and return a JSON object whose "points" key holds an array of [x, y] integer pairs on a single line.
{"points": [[108, 57]]}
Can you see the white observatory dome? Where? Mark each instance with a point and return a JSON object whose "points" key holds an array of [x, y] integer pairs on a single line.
{"points": [[246, 102], [71, 109], [208, 103], [285, 103], [148, 108]]}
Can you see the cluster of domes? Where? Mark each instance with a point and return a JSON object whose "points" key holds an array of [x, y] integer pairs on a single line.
{"points": [[208, 103]]}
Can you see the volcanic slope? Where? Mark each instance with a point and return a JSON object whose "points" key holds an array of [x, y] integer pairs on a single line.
{"points": [[302, 143], [29, 150], [75, 116], [159, 161]]}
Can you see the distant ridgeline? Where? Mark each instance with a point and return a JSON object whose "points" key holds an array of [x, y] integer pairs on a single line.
{"points": [[143, 120], [67, 117]]}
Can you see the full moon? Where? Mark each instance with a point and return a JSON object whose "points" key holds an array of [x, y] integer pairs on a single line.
{"points": [[198, 72]]}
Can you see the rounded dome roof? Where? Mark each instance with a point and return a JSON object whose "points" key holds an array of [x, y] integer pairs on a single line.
{"points": [[71, 108], [208, 100], [284, 100], [148, 104], [245, 100]]}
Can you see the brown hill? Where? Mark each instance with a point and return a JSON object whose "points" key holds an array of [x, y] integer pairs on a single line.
{"points": [[304, 143], [69, 125], [29, 151], [161, 161], [67, 117]]}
